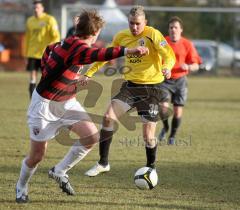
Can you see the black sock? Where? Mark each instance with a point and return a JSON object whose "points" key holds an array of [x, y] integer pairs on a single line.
{"points": [[104, 146], [165, 125], [31, 88], [151, 156], [175, 124]]}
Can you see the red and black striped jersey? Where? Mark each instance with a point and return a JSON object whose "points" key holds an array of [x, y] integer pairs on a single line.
{"points": [[61, 64]]}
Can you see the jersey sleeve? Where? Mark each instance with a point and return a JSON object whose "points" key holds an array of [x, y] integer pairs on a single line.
{"points": [[26, 40], [98, 65], [193, 56], [165, 50], [87, 55], [53, 30]]}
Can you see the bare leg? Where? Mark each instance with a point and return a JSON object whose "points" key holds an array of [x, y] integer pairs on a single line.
{"points": [[165, 107], [89, 136], [29, 166], [114, 111], [162, 134]]}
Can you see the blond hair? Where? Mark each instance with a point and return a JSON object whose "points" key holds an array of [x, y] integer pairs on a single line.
{"points": [[137, 10]]}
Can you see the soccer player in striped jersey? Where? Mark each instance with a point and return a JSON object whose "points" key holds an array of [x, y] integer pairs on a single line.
{"points": [[54, 106], [141, 86], [187, 61]]}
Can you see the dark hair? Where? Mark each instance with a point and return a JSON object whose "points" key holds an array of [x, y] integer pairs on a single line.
{"points": [[37, 2], [175, 19], [88, 23]]}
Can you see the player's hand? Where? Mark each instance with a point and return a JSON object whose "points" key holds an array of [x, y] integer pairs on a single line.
{"points": [[185, 67], [138, 50], [84, 80], [166, 73]]}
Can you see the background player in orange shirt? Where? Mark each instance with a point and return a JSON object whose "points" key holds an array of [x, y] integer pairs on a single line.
{"points": [[187, 60]]}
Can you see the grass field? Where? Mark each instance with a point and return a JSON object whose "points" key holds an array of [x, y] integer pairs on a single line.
{"points": [[201, 172]]}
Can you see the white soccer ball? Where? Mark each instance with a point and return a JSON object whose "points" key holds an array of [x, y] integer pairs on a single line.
{"points": [[146, 178]]}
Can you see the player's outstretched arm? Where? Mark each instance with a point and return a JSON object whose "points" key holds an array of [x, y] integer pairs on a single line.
{"points": [[138, 50], [98, 65], [88, 55]]}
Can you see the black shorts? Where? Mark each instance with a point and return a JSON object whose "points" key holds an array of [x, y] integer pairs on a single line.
{"points": [[33, 64], [145, 98], [176, 89]]}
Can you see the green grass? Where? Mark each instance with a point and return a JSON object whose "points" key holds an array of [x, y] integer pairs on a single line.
{"points": [[201, 172]]}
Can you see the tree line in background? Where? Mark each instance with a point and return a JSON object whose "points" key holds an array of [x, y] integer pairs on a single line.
{"points": [[215, 26]]}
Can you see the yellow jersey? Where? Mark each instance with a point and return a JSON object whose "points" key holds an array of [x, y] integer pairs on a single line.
{"points": [[146, 69], [40, 32]]}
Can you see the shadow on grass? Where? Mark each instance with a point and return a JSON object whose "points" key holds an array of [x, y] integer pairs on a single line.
{"points": [[93, 204], [207, 182]]}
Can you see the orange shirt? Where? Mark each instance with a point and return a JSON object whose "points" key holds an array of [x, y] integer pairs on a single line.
{"points": [[185, 52]]}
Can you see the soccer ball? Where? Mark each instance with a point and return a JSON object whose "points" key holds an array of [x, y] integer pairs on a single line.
{"points": [[146, 178]]}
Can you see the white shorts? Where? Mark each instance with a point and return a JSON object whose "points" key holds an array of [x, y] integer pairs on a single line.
{"points": [[46, 117]]}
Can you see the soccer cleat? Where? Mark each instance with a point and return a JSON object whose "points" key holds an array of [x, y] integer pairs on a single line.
{"points": [[21, 195], [171, 141], [162, 134], [63, 181], [97, 169]]}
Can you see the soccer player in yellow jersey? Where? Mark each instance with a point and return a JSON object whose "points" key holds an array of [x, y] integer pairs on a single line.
{"points": [[141, 86], [41, 30]]}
